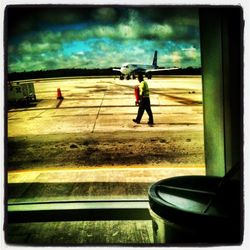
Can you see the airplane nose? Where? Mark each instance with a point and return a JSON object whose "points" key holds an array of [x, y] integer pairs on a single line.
{"points": [[124, 70]]}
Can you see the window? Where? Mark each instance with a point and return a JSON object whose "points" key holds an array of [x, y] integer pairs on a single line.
{"points": [[83, 146]]}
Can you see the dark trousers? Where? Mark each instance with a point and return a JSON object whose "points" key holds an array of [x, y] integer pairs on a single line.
{"points": [[145, 105]]}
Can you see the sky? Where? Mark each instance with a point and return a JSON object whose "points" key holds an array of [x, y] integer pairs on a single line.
{"points": [[58, 37]]}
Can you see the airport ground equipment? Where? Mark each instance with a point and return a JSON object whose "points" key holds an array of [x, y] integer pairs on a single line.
{"points": [[21, 92]]}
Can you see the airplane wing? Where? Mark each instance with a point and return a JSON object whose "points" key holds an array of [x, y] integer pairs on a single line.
{"points": [[155, 70], [138, 70], [117, 70]]}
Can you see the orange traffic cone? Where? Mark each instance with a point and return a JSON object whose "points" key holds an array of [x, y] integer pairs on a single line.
{"points": [[59, 94]]}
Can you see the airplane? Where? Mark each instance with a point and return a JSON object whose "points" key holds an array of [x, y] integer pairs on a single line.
{"points": [[131, 69]]}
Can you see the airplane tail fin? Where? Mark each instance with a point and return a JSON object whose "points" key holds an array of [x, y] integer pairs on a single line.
{"points": [[154, 64]]}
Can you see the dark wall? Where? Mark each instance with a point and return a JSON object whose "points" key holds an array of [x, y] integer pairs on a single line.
{"points": [[221, 32]]}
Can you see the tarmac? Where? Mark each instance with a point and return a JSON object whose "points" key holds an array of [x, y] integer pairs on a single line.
{"points": [[106, 105], [75, 151]]}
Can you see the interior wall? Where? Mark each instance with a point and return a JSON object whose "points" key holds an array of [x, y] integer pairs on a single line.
{"points": [[221, 58]]}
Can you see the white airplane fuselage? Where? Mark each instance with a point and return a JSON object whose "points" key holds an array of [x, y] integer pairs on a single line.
{"points": [[129, 68]]}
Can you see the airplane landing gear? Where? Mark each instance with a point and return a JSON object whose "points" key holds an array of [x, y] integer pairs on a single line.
{"points": [[149, 76], [121, 77], [128, 77]]}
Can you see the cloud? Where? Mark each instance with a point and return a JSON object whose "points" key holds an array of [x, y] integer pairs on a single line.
{"points": [[104, 22], [191, 53], [80, 53], [103, 37]]}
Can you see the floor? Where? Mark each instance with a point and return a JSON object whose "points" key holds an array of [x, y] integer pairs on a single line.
{"points": [[81, 233], [67, 185]]}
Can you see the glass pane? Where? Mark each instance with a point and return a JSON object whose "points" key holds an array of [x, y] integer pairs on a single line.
{"points": [[72, 137]]}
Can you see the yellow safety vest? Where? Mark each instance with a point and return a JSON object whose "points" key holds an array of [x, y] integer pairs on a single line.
{"points": [[144, 90]]}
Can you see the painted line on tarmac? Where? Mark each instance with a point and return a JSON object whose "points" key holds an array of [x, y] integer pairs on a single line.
{"points": [[110, 174], [98, 106], [107, 167], [98, 112], [83, 115]]}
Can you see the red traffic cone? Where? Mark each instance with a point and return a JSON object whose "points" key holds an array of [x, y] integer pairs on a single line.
{"points": [[59, 94]]}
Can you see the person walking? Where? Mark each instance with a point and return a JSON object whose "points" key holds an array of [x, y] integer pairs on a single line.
{"points": [[144, 103]]}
